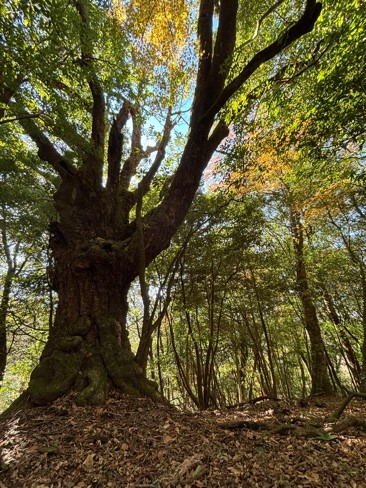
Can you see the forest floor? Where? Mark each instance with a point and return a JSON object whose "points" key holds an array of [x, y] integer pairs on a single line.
{"points": [[135, 443]]}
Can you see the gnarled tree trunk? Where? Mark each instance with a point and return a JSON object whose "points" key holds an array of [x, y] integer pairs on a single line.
{"points": [[102, 241], [88, 347]]}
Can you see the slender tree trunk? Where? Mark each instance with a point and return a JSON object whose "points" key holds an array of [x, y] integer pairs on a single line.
{"points": [[363, 368], [11, 270], [266, 335], [4, 307], [358, 259], [320, 381], [347, 350]]}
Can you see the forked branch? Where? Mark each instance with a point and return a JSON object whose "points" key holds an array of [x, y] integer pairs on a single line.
{"points": [[115, 143], [160, 155], [136, 153], [304, 25]]}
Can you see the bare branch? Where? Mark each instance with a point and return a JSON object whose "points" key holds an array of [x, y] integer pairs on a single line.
{"points": [[161, 147], [136, 153], [260, 21], [20, 117]]}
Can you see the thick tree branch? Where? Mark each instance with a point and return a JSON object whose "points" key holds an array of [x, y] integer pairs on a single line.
{"points": [[62, 128], [279, 79], [303, 26], [218, 134], [205, 41], [95, 163], [46, 150], [224, 46], [115, 143], [162, 222], [7, 92]]}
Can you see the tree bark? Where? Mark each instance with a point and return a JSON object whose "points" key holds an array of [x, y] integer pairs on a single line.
{"points": [[4, 306], [11, 269], [88, 347], [320, 380]]}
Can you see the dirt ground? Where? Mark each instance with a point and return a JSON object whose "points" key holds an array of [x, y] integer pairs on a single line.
{"points": [[135, 443]]}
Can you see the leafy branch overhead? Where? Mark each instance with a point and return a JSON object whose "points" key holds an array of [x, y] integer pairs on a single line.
{"points": [[216, 85]]}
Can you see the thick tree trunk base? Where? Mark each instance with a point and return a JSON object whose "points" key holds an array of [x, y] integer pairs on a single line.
{"points": [[91, 365], [93, 388]]}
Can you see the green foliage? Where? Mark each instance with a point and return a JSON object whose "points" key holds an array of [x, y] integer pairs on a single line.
{"points": [[42, 64], [23, 357]]}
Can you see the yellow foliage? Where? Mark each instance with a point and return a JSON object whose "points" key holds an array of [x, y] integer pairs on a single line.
{"points": [[275, 162], [158, 31]]}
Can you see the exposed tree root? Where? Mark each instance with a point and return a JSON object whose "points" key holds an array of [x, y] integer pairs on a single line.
{"points": [[299, 431], [21, 404], [348, 423], [323, 429], [253, 401], [338, 412]]}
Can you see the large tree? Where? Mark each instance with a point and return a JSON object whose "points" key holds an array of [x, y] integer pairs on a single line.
{"points": [[102, 240]]}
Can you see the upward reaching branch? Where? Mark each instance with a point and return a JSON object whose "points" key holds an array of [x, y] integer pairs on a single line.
{"points": [[160, 155], [205, 40], [304, 25], [46, 150], [136, 153], [224, 45], [6, 92], [95, 162], [115, 145], [203, 139]]}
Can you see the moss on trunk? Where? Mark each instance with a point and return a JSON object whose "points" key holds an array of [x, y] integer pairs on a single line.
{"points": [[88, 350]]}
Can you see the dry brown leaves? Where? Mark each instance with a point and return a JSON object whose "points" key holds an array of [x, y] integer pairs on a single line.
{"points": [[135, 443]]}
